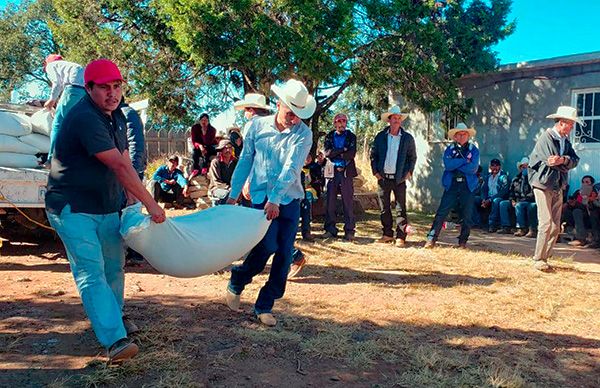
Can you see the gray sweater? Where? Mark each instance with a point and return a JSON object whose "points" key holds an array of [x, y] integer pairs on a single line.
{"points": [[546, 177]]}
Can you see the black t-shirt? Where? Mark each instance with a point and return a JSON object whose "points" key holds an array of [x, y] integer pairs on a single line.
{"points": [[77, 177]]}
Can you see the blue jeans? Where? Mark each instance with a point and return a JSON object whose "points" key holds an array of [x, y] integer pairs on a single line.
{"points": [[279, 240], [96, 255], [458, 196], [70, 96], [525, 212], [495, 212]]}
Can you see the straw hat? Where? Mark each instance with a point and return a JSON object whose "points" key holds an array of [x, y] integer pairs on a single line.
{"points": [[567, 113], [294, 94], [252, 100], [395, 110], [461, 127], [524, 160]]}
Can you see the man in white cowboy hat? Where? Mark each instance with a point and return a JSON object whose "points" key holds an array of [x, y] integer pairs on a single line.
{"points": [[393, 159], [461, 162], [521, 199], [253, 105], [551, 159], [274, 152]]}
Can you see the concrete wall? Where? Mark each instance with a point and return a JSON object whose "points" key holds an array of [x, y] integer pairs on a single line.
{"points": [[509, 113]]}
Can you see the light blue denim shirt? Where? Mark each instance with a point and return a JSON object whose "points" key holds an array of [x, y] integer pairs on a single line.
{"points": [[272, 161]]}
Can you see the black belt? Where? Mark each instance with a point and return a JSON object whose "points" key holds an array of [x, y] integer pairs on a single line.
{"points": [[389, 176]]}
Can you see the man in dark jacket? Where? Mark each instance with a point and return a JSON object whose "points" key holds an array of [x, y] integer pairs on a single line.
{"points": [[494, 190], [340, 149], [393, 159], [220, 173], [521, 199], [551, 159]]}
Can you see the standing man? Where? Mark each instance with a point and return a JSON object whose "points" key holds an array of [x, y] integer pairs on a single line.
{"points": [[340, 149], [551, 159], [274, 152], [67, 90], [461, 163], [393, 159], [91, 167]]}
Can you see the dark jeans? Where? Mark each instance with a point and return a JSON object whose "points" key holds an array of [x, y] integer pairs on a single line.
{"points": [[201, 161], [162, 196], [525, 213], [305, 216], [495, 212], [459, 197], [342, 184], [279, 240], [386, 187], [578, 218]]}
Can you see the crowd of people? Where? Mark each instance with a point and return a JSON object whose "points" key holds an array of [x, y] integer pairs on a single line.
{"points": [[267, 165]]}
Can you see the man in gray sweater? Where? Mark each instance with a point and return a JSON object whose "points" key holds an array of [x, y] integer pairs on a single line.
{"points": [[549, 163]]}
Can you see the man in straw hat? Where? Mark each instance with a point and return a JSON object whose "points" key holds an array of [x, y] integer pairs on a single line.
{"points": [[461, 161], [274, 152], [393, 159], [90, 170], [253, 105], [551, 159]]}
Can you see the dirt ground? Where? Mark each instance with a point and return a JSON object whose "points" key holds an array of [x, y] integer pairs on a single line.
{"points": [[360, 314]]}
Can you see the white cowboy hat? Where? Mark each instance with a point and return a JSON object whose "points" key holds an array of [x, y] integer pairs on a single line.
{"points": [[524, 160], [252, 100], [395, 110], [461, 127], [567, 113], [294, 94]]}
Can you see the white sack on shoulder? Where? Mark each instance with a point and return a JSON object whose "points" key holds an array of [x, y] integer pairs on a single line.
{"points": [[41, 121], [13, 144], [41, 142], [14, 124], [195, 244], [9, 159]]}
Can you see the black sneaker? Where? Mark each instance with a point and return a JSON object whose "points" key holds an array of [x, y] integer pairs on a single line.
{"points": [[122, 350], [130, 326], [504, 231]]}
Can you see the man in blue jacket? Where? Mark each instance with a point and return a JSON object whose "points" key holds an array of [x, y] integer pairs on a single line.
{"points": [[169, 183], [496, 186], [461, 161], [393, 159]]}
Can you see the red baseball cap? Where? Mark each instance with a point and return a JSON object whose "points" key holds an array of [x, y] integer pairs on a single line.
{"points": [[52, 58], [102, 71], [340, 116]]}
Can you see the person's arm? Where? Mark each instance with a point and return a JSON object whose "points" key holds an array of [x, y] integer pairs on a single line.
{"points": [[121, 166], [195, 135], [451, 163], [244, 164], [350, 153], [571, 160], [411, 157], [375, 159], [57, 85], [159, 174], [292, 166], [503, 186], [329, 150], [135, 139]]}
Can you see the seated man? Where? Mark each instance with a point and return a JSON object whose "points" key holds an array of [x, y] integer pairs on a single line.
{"points": [[220, 173], [494, 191], [522, 200], [170, 186], [575, 213]]}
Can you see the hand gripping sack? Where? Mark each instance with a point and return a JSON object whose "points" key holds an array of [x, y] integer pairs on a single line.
{"points": [[194, 244]]}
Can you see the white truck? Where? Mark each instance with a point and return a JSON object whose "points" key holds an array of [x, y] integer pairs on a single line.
{"points": [[22, 191]]}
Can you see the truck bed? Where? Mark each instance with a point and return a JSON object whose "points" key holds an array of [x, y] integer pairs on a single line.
{"points": [[25, 187]]}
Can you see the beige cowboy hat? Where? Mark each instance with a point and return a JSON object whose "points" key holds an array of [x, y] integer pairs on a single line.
{"points": [[294, 94], [252, 100], [524, 160], [567, 113], [395, 110], [461, 127]]}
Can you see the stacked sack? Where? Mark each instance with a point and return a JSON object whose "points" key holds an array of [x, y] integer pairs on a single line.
{"points": [[23, 137]]}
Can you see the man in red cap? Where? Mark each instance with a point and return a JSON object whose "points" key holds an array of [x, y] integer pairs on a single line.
{"points": [[340, 149], [90, 170], [67, 90]]}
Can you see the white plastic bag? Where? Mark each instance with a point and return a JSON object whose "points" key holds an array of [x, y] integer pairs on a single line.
{"points": [[9, 159], [195, 244], [14, 124], [41, 121], [13, 144], [41, 142]]}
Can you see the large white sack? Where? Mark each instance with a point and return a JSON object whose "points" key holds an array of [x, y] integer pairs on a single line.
{"points": [[39, 141], [41, 121], [195, 244], [14, 124], [13, 144], [9, 159]]}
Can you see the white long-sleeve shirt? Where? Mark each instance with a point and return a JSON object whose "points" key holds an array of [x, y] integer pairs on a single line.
{"points": [[62, 73]]}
